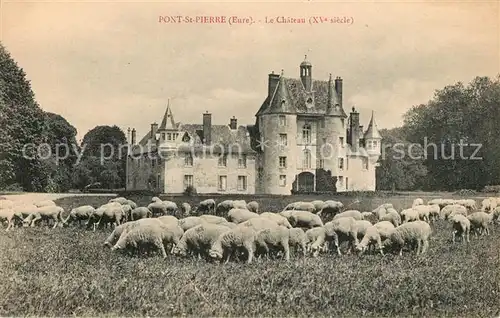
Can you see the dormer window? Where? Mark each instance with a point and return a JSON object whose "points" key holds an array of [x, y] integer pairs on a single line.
{"points": [[309, 100], [283, 104], [186, 138], [169, 136]]}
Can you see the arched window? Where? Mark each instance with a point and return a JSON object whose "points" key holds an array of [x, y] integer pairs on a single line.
{"points": [[306, 161], [306, 134]]}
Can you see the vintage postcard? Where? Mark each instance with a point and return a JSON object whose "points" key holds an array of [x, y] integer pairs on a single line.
{"points": [[249, 159]]}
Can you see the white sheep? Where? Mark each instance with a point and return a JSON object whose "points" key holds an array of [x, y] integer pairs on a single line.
{"points": [[410, 215], [224, 207], [349, 213], [239, 204], [376, 234], [452, 210], [480, 220], [140, 213], [199, 239], [120, 200], [423, 212], [367, 215], [81, 213], [417, 202], [277, 218], [379, 212], [7, 215], [434, 211], [301, 206], [213, 219], [253, 206], [127, 211], [259, 223], [157, 234], [361, 227], [469, 204], [331, 208], [125, 227], [108, 214], [206, 207], [157, 208], [155, 199], [23, 211], [186, 209], [339, 230], [312, 235], [298, 239], [190, 222], [228, 242], [318, 205], [240, 215], [276, 238], [461, 227], [303, 219], [488, 204], [391, 215], [132, 204], [47, 213], [413, 232]]}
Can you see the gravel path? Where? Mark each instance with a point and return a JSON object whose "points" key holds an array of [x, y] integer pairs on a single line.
{"points": [[35, 197]]}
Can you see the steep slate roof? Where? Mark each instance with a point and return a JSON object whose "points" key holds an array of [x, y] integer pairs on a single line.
{"points": [[372, 130], [168, 122], [297, 96]]}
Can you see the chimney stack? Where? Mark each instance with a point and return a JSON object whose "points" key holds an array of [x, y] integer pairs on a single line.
{"points": [[207, 128], [338, 88], [354, 130], [154, 128], [233, 123], [128, 135], [133, 136], [273, 82]]}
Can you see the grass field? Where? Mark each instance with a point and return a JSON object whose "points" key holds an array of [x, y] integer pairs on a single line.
{"points": [[66, 272]]}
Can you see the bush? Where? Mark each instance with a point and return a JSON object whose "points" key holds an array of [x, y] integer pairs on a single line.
{"points": [[190, 190]]}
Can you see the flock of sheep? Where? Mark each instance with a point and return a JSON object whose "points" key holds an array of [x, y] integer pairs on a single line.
{"points": [[235, 228]]}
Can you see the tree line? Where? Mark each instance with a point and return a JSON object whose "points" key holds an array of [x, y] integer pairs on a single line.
{"points": [[449, 143]]}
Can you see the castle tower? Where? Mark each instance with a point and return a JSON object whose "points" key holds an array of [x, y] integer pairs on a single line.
{"points": [[333, 135], [373, 140], [306, 74], [168, 132], [278, 129]]}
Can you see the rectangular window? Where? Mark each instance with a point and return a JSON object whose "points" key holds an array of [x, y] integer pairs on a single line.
{"points": [[242, 183], [347, 183], [188, 181], [343, 126], [282, 120], [169, 136], [223, 161], [153, 162], [222, 183], [321, 164], [341, 163], [162, 136], [242, 161], [283, 140], [158, 181], [341, 141], [188, 160], [282, 161], [282, 180], [346, 163], [341, 181]]}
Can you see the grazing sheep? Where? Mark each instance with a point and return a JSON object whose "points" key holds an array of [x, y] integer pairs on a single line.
{"points": [[277, 218], [312, 235], [361, 227], [461, 227], [168, 219], [380, 212], [224, 207], [206, 207], [391, 215], [228, 242], [298, 239], [376, 233], [417, 202], [81, 213], [349, 213], [434, 210], [331, 208], [259, 223], [480, 220], [157, 234], [120, 200], [452, 209], [469, 204], [132, 204], [410, 215], [7, 215], [423, 212], [190, 222], [276, 238], [199, 239], [140, 213], [239, 204], [186, 209], [108, 214], [488, 204], [253, 206], [155, 199], [301, 206], [157, 208], [413, 232], [367, 215], [303, 219], [125, 227], [23, 211], [318, 205], [339, 230], [213, 219], [48, 212], [127, 210], [45, 203], [240, 215]]}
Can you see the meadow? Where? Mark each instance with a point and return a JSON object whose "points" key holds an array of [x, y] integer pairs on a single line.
{"points": [[67, 272]]}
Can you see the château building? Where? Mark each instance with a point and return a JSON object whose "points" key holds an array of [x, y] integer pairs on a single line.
{"points": [[302, 141]]}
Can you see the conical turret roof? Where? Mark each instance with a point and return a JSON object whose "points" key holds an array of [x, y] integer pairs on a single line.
{"points": [[372, 130], [168, 122], [281, 101], [333, 105]]}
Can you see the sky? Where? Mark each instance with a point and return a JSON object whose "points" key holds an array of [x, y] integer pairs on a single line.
{"points": [[114, 63]]}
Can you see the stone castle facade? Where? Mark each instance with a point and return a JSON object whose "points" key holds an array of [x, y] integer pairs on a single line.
{"points": [[302, 141]]}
